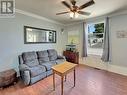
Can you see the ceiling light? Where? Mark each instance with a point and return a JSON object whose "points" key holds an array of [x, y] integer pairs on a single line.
{"points": [[74, 14]]}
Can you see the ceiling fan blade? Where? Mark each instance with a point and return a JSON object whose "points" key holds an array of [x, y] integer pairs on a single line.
{"points": [[84, 13], [62, 13], [73, 2], [91, 2], [66, 4]]}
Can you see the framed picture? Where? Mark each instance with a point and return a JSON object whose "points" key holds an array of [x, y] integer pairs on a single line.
{"points": [[121, 34]]}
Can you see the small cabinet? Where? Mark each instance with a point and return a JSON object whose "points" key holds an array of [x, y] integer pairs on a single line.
{"points": [[72, 56]]}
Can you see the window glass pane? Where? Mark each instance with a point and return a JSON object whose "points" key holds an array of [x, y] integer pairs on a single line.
{"points": [[95, 37]]}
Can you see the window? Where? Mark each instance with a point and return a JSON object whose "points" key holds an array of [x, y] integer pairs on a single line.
{"points": [[95, 38]]}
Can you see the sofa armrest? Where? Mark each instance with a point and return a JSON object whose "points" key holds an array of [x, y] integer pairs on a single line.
{"points": [[23, 67], [25, 73], [20, 59], [25, 76], [61, 57]]}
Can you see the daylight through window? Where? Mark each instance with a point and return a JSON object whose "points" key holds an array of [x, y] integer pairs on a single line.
{"points": [[95, 38]]}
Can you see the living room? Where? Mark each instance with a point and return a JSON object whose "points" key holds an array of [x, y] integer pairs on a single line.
{"points": [[101, 67]]}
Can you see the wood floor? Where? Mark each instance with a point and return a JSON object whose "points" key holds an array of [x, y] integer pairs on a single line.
{"points": [[89, 81]]}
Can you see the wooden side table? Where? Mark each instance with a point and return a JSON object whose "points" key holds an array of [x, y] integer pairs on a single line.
{"points": [[7, 77], [62, 70], [72, 56]]}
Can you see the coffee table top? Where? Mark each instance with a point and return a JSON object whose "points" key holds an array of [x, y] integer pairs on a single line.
{"points": [[64, 67]]}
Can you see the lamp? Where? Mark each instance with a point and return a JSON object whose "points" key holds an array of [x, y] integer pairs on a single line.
{"points": [[62, 31], [74, 14]]}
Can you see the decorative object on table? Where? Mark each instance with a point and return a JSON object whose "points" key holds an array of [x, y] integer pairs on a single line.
{"points": [[71, 56], [71, 47], [72, 41], [34, 35], [7, 78], [62, 31]]}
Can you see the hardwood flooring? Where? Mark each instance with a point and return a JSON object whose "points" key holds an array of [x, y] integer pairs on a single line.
{"points": [[89, 81]]}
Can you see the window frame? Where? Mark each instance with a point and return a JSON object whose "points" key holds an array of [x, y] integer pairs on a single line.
{"points": [[87, 25]]}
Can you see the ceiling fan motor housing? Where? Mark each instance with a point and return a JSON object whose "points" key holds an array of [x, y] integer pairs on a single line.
{"points": [[74, 9]]}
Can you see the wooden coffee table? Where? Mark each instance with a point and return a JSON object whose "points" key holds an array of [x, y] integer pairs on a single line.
{"points": [[62, 70]]}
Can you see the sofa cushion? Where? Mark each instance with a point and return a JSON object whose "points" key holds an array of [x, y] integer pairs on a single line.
{"points": [[31, 63], [43, 59], [48, 65], [52, 58], [49, 72], [43, 56], [36, 70], [53, 62], [37, 78], [42, 53], [59, 61], [30, 58], [29, 55], [52, 54]]}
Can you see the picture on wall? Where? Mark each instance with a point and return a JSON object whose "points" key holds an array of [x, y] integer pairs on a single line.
{"points": [[121, 34]]}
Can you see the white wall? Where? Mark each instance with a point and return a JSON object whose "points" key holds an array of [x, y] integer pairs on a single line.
{"points": [[118, 45], [78, 28], [12, 39]]}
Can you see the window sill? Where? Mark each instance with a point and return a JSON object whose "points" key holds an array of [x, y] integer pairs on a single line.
{"points": [[99, 55], [95, 51]]}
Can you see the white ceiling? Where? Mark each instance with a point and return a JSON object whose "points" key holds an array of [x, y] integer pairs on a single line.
{"points": [[49, 8]]}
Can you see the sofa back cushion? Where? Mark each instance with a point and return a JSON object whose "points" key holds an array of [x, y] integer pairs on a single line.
{"points": [[30, 58], [52, 54], [43, 56]]}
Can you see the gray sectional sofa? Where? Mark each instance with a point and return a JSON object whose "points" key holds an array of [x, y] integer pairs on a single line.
{"points": [[34, 66]]}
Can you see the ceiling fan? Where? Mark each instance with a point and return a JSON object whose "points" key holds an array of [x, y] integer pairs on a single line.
{"points": [[74, 10]]}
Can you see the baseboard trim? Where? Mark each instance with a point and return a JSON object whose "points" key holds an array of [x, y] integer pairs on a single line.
{"points": [[117, 69], [110, 68], [106, 66]]}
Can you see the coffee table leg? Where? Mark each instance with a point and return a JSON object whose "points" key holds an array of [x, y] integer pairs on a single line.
{"points": [[62, 79], [53, 80], [74, 77], [65, 77]]}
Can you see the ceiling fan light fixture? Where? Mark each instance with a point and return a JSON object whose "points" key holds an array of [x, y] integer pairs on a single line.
{"points": [[74, 10], [74, 14]]}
